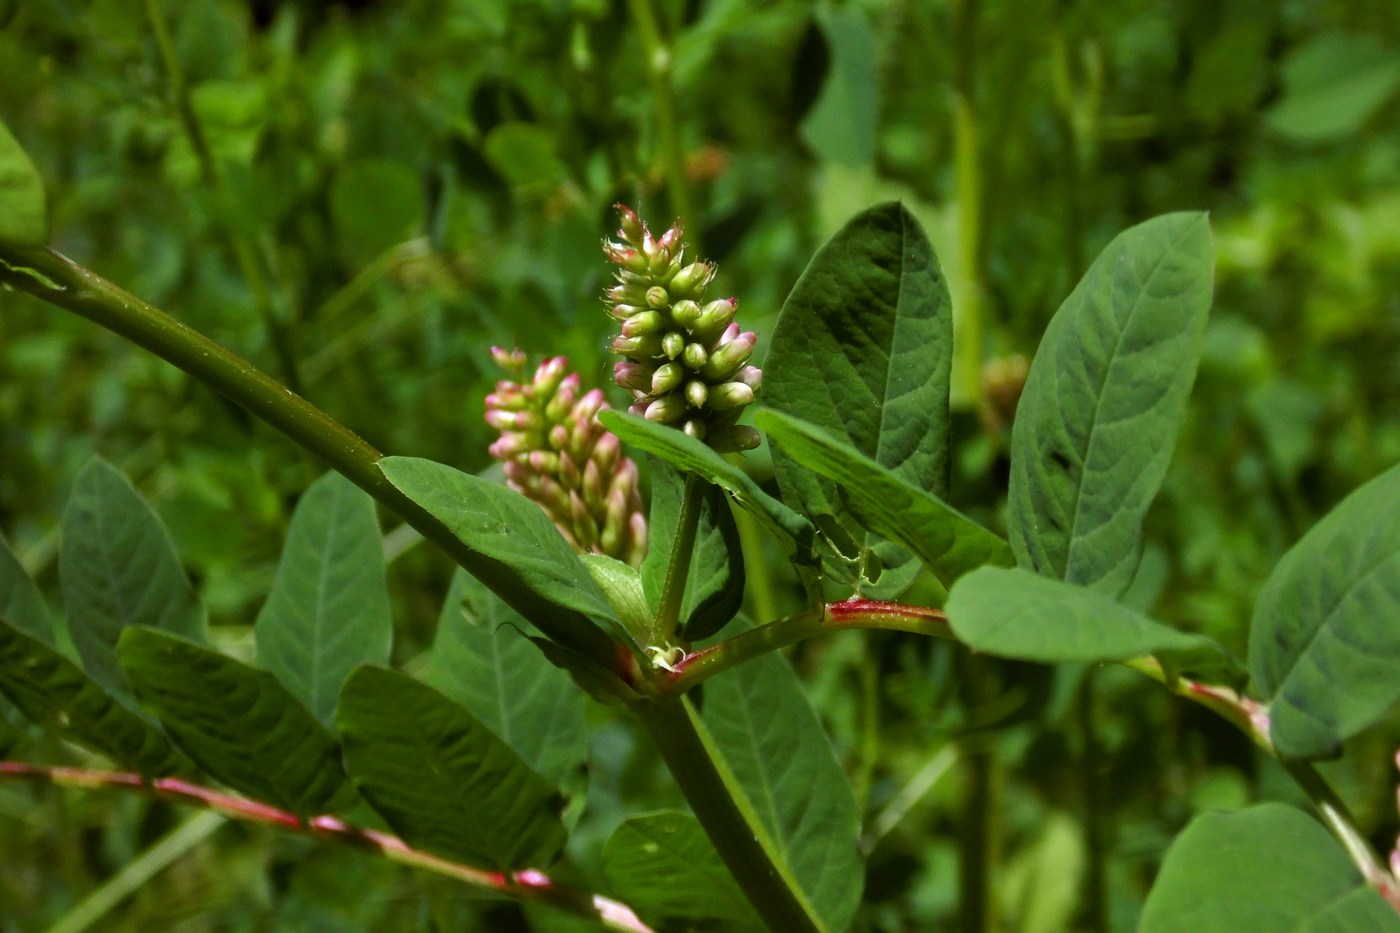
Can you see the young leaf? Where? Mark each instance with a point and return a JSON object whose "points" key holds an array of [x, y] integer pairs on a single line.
{"points": [[1017, 614], [1324, 649], [236, 722], [20, 603], [948, 542], [1269, 867], [329, 607], [482, 659], [53, 692], [532, 561], [1101, 407], [118, 568], [441, 779], [685, 453], [715, 588], [24, 217], [663, 865], [772, 741], [863, 350]]}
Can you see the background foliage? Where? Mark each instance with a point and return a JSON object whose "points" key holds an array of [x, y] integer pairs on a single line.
{"points": [[364, 197]]}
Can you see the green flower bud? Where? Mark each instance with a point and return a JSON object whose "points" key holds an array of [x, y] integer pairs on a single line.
{"points": [[672, 344], [696, 393], [694, 355], [685, 313], [648, 322], [666, 378], [657, 297]]}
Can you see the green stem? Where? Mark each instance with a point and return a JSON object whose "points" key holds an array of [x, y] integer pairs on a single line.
{"points": [[1095, 800], [809, 623], [658, 60], [967, 159], [978, 830], [729, 819], [523, 885], [58, 280], [668, 614]]}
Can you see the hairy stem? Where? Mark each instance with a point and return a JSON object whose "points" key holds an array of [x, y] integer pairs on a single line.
{"points": [[527, 885], [48, 275]]}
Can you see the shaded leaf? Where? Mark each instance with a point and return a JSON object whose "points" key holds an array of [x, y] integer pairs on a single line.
{"points": [[1101, 408], [375, 204], [328, 610], [236, 722], [948, 542], [20, 603], [663, 865], [53, 692], [772, 741], [483, 659], [1324, 650], [441, 779], [841, 124], [118, 568], [1270, 869], [24, 218], [1333, 85]]}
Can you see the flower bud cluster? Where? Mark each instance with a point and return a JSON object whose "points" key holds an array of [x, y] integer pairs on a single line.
{"points": [[686, 362], [556, 453]]}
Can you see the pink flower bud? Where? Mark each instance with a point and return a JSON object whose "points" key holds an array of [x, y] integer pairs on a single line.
{"points": [[630, 225], [750, 376], [727, 359], [632, 375], [623, 312]]}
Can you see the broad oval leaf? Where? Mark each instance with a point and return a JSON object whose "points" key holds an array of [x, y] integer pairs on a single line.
{"points": [[24, 219], [483, 659], [863, 350], [20, 603], [1266, 869], [1103, 403], [948, 542], [118, 568], [774, 744], [1332, 85], [441, 779], [1017, 614], [1324, 649], [509, 529], [663, 865], [685, 453], [236, 722], [55, 693], [328, 610]]}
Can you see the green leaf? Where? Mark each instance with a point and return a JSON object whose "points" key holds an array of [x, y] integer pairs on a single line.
{"points": [[236, 722], [441, 779], [1269, 869], [715, 589], [118, 568], [20, 603], [53, 692], [685, 453], [375, 204], [863, 350], [1332, 86], [329, 607], [663, 865], [841, 126], [948, 542], [531, 566], [24, 216], [1324, 650], [1017, 614], [13, 738], [772, 741], [483, 659], [1101, 408]]}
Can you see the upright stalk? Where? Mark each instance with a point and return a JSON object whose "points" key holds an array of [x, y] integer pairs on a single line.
{"points": [[967, 158], [668, 133], [678, 567]]}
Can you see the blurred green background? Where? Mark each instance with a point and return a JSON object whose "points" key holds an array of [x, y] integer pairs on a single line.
{"points": [[364, 197]]}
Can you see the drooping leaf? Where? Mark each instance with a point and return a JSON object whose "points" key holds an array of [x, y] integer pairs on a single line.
{"points": [[841, 126], [441, 779], [863, 350], [1017, 614], [715, 588], [118, 568], [483, 659], [20, 603], [1324, 649], [685, 453], [1333, 85], [773, 742], [948, 542], [1264, 869], [1101, 408], [236, 722], [528, 558], [53, 692], [24, 217], [328, 610], [663, 865]]}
